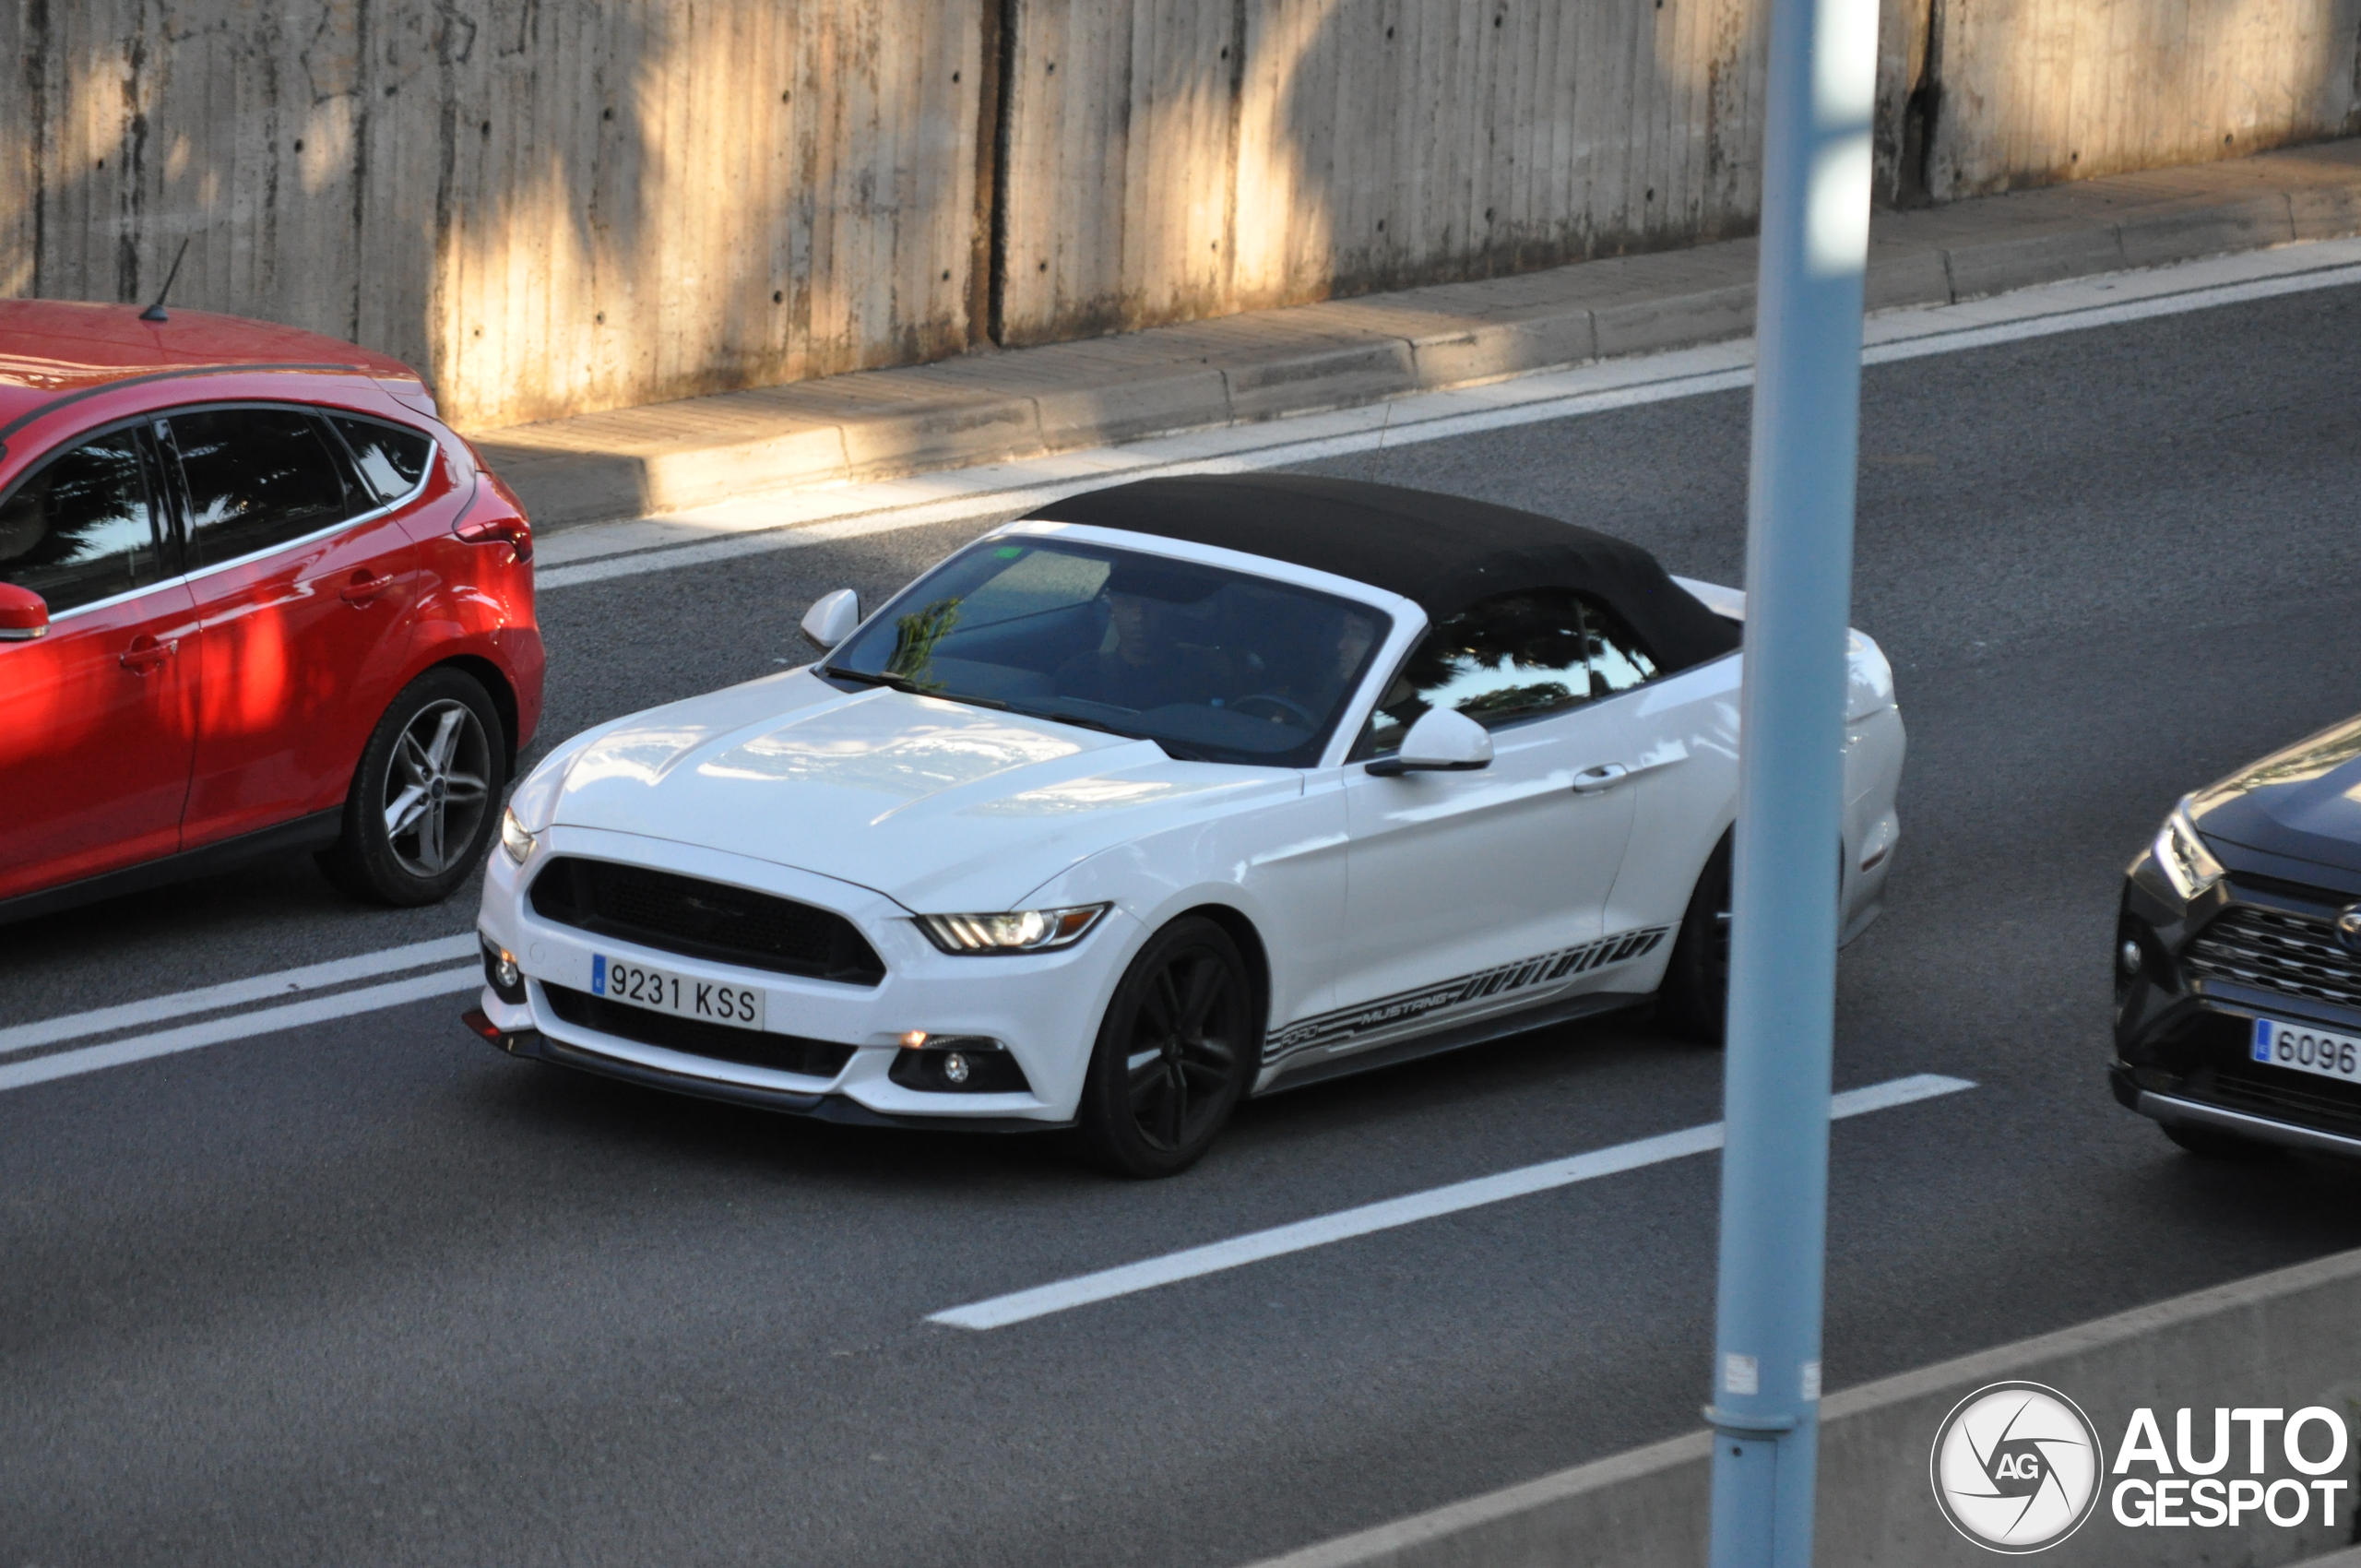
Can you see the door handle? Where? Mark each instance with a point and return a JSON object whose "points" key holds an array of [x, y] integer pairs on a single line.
{"points": [[145, 653], [1605, 776], [365, 586]]}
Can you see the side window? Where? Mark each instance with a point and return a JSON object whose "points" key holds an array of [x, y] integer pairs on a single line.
{"points": [[392, 460], [1618, 660], [1510, 656], [80, 528], [256, 478]]}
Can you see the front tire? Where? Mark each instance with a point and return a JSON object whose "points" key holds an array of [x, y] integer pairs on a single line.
{"points": [[1174, 1054], [1694, 1000], [426, 796]]}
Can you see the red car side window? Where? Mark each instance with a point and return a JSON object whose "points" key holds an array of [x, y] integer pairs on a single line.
{"points": [[391, 459], [256, 478], [80, 528]]}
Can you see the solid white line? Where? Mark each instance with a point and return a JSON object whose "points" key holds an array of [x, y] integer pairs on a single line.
{"points": [[2108, 316], [231, 994], [1043, 1299], [600, 552], [241, 1025]]}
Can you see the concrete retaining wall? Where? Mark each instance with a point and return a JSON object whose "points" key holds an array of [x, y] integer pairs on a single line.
{"points": [[551, 205], [2285, 1339], [555, 206]]}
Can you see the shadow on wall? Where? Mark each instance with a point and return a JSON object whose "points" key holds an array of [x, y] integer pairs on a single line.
{"points": [[2032, 92], [556, 206], [1169, 160], [550, 205]]}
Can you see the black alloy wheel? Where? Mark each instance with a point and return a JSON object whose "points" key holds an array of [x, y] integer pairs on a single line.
{"points": [[426, 796], [1174, 1055], [1694, 998]]}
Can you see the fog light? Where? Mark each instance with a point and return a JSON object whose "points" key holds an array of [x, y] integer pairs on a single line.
{"points": [[501, 972], [2128, 956], [955, 1064]]}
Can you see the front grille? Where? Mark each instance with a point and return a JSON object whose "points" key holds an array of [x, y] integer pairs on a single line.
{"points": [[748, 1048], [2276, 950], [704, 920], [2281, 1095]]}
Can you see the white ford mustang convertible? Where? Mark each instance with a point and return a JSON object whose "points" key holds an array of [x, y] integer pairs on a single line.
{"points": [[1170, 794]]}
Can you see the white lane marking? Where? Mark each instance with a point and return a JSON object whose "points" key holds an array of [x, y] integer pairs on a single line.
{"points": [[599, 552], [1083, 1289], [231, 993], [241, 1025]]}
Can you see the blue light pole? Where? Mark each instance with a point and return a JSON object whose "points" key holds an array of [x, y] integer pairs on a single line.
{"points": [[1783, 934]]}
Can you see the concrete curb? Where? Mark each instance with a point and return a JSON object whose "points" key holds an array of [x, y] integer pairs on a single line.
{"points": [[1000, 407], [2283, 1339]]}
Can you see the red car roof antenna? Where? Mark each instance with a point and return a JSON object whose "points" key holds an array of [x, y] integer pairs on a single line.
{"points": [[156, 311]]}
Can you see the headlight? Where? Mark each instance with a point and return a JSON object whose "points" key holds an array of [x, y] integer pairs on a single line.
{"points": [[1029, 930], [513, 839], [2182, 856]]}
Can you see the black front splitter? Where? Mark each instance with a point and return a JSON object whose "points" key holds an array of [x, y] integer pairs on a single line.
{"points": [[533, 1045]]}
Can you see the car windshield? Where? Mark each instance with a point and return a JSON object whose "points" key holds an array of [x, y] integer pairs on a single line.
{"points": [[1210, 664]]}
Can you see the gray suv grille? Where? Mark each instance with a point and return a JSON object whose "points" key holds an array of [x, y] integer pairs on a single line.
{"points": [[2292, 954]]}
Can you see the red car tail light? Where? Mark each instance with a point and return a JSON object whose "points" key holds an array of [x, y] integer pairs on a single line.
{"points": [[516, 532]]}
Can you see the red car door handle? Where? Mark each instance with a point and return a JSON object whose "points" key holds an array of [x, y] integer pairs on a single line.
{"points": [[145, 653], [365, 586]]}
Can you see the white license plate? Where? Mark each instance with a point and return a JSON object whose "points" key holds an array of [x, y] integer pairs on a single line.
{"points": [[2307, 1049], [683, 996]]}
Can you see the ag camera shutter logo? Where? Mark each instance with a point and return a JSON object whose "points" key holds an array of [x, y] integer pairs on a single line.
{"points": [[2016, 1467]]}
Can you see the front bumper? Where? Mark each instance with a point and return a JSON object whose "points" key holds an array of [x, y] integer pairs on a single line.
{"points": [[1045, 1008], [2185, 1019], [2174, 1111], [531, 1045]]}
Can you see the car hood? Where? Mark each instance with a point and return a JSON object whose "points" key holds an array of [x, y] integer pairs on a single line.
{"points": [[943, 807], [2302, 803]]}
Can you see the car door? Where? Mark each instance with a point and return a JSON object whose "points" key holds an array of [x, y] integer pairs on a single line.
{"points": [[1465, 886], [98, 715], [1683, 776], [305, 582]]}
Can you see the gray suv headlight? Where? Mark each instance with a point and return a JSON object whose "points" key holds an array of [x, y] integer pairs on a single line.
{"points": [[2182, 856]]}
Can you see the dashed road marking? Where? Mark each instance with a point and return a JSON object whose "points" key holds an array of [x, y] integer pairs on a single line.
{"points": [[1064, 1295]]}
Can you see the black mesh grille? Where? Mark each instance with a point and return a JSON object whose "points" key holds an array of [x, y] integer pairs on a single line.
{"points": [[2276, 950], [2281, 1095], [748, 1048], [704, 920]]}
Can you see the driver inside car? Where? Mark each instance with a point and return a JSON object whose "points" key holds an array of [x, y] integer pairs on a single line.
{"points": [[1162, 645]]}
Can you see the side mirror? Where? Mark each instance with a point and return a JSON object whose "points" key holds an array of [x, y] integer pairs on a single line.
{"points": [[1442, 740], [24, 614], [832, 618]]}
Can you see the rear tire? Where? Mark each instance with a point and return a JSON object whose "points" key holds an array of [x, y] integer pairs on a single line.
{"points": [[1174, 1055], [425, 800], [1693, 1001], [2211, 1143]]}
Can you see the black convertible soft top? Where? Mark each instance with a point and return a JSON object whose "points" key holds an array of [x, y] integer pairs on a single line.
{"points": [[1444, 552]]}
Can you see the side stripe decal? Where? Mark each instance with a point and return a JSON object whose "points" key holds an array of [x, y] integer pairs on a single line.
{"points": [[1330, 1029]]}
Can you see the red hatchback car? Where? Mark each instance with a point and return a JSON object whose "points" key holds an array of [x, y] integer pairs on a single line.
{"points": [[254, 597]]}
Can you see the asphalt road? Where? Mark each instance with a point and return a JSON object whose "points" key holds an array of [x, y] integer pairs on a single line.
{"points": [[372, 1294]]}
